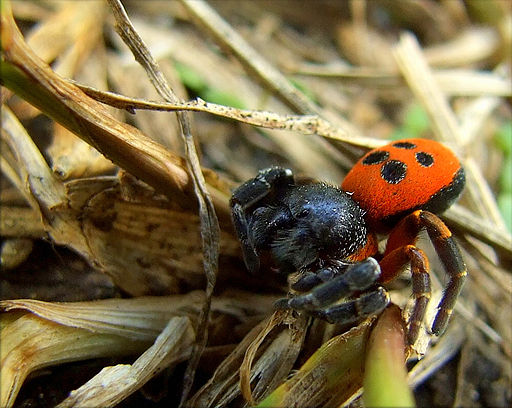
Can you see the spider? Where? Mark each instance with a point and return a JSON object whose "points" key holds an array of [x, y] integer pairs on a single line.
{"points": [[329, 234]]}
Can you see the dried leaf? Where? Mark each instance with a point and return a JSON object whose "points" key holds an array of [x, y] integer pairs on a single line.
{"points": [[73, 158], [53, 333], [223, 386], [14, 252], [30, 343], [113, 384], [413, 65], [276, 359], [265, 357], [146, 243], [123, 144], [330, 377]]}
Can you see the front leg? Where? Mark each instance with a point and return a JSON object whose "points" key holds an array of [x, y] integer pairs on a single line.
{"points": [[251, 258], [321, 300], [248, 195], [356, 310], [356, 278], [254, 190]]}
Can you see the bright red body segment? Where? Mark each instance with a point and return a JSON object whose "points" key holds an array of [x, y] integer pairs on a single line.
{"points": [[400, 177]]}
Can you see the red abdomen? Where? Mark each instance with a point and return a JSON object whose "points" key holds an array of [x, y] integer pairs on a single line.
{"points": [[406, 175]]}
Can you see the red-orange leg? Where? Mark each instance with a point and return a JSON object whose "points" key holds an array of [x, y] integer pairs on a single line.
{"points": [[451, 258], [392, 264], [398, 254]]}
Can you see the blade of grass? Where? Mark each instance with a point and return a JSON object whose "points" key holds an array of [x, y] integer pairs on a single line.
{"points": [[385, 379]]}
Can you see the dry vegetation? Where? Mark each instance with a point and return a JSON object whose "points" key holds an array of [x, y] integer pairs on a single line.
{"points": [[114, 196]]}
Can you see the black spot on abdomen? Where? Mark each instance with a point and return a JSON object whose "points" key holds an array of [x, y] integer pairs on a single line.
{"points": [[376, 157], [404, 145], [424, 159], [394, 171]]}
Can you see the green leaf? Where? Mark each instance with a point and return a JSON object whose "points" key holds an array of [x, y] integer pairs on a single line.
{"points": [[190, 78], [416, 120], [505, 180], [400, 133], [503, 138], [505, 206], [304, 89], [222, 98]]}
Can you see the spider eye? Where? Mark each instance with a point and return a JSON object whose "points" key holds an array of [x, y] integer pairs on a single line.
{"points": [[303, 213]]}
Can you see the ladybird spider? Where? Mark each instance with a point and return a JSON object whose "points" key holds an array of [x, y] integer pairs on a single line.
{"points": [[329, 234]]}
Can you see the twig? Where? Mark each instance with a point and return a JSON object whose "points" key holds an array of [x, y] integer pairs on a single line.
{"points": [[305, 124], [210, 230], [466, 220]]}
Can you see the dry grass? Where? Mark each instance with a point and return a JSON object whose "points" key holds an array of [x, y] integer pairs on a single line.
{"points": [[140, 194]]}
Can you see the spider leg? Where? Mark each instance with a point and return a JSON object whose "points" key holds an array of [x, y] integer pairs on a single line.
{"points": [[251, 258], [257, 188], [357, 277], [309, 280], [245, 196], [401, 239], [356, 310], [392, 264], [451, 258]]}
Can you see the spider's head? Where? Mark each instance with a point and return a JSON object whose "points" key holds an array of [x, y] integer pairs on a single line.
{"points": [[327, 225]]}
